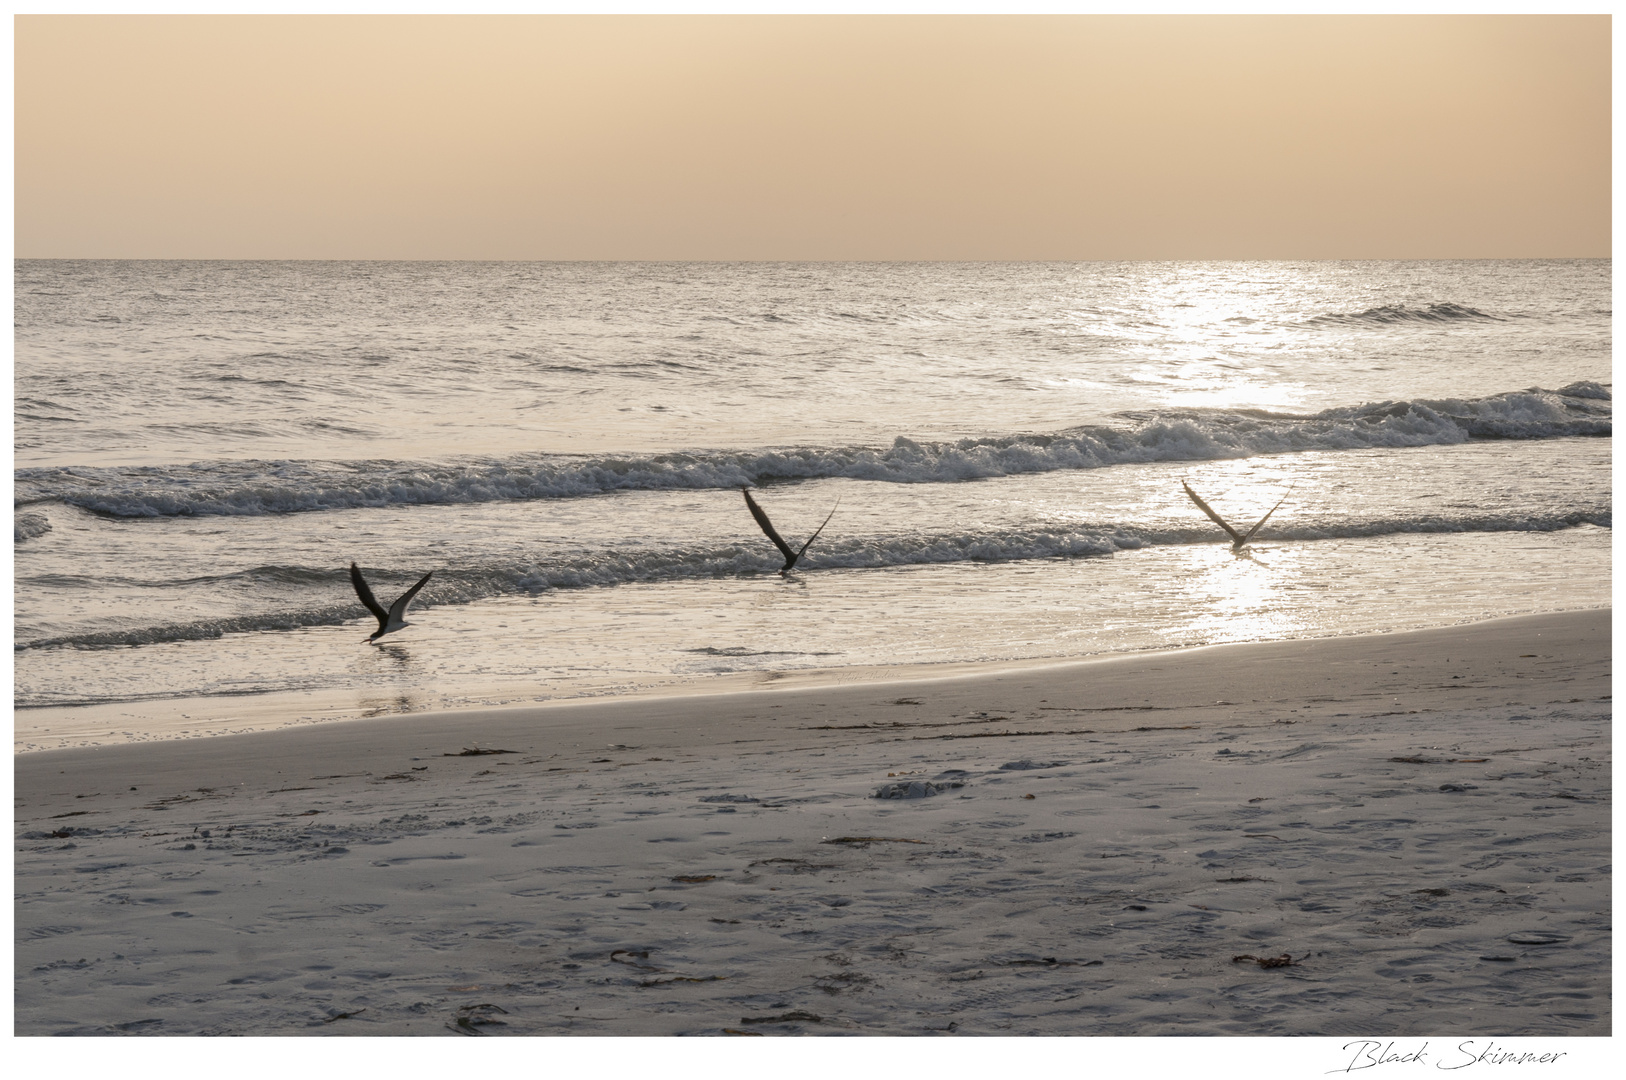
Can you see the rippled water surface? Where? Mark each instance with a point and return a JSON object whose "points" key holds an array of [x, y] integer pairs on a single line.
{"points": [[203, 448]]}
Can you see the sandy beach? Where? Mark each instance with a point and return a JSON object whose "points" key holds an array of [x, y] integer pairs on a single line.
{"points": [[1408, 833]]}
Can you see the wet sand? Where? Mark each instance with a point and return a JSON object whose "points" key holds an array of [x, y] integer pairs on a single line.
{"points": [[1418, 822]]}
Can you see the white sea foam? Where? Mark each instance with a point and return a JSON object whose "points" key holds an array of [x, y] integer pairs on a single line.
{"points": [[464, 585], [259, 487], [26, 526]]}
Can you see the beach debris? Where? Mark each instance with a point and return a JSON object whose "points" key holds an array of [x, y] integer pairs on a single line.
{"points": [[864, 840], [1284, 960], [1418, 760], [1007, 734], [802, 866], [640, 954], [474, 1017], [694, 879], [1030, 796], [795, 1016], [343, 1015], [683, 978], [138, 1025], [737, 1031], [1051, 962], [1236, 880], [478, 752], [1028, 763], [1458, 787], [915, 789], [1536, 937], [904, 701], [843, 981], [729, 799]]}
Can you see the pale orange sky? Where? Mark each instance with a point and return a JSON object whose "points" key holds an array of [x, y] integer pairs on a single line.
{"points": [[812, 137]]}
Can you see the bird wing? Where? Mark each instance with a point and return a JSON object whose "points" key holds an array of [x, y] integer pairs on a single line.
{"points": [[366, 595], [1267, 515], [1237, 537], [398, 609], [767, 526], [820, 529]]}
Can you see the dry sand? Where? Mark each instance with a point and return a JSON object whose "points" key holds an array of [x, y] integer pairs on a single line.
{"points": [[1420, 821]]}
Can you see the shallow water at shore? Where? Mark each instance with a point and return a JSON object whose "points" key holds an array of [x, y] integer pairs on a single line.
{"points": [[737, 632]]}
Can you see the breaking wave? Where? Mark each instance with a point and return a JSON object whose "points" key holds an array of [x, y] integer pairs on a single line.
{"points": [[603, 569], [28, 526], [1392, 314], [281, 487]]}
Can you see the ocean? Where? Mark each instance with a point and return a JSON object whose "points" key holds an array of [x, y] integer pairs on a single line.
{"points": [[203, 448]]}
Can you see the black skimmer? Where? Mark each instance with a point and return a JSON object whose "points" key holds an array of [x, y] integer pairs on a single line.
{"points": [[1237, 539], [393, 619], [767, 527]]}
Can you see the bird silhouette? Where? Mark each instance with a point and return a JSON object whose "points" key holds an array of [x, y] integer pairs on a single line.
{"points": [[393, 619], [767, 527], [1237, 539]]}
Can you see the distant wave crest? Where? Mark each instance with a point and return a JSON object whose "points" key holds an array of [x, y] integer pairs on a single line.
{"points": [[28, 526], [1392, 314], [281, 487]]}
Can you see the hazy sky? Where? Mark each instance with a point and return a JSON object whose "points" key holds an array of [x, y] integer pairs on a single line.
{"points": [[812, 137]]}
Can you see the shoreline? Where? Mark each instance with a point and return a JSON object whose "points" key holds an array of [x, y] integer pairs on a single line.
{"points": [[1418, 820], [220, 716]]}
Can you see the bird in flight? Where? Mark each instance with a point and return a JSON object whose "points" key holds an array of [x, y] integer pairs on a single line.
{"points": [[393, 619], [1237, 539], [767, 527]]}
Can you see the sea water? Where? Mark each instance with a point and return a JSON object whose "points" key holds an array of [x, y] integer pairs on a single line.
{"points": [[202, 449]]}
